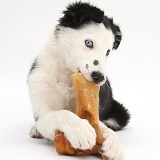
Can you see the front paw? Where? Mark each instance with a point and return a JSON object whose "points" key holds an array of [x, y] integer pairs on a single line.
{"points": [[112, 149], [34, 133], [81, 135]]}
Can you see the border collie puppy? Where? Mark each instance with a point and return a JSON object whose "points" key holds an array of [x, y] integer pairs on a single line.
{"points": [[81, 42]]}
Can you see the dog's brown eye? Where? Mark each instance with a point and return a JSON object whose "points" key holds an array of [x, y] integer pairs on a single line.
{"points": [[89, 43], [108, 52]]}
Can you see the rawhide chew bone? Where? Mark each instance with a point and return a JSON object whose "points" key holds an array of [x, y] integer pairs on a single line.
{"points": [[87, 99]]}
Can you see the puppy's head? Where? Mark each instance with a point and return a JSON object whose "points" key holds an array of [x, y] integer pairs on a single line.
{"points": [[87, 37]]}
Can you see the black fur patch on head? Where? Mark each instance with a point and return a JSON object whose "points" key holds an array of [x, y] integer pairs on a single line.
{"points": [[109, 24], [80, 13]]}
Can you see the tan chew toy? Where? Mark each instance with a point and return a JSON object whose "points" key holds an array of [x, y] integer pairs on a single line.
{"points": [[87, 99]]}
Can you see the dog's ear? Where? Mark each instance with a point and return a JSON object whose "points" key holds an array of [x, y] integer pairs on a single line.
{"points": [[79, 13], [117, 33], [109, 24]]}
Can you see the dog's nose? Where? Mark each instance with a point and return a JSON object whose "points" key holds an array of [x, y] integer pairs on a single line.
{"points": [[97, 77]]}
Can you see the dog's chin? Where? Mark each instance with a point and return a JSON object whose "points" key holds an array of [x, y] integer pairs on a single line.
{"points": [[100, 83]]}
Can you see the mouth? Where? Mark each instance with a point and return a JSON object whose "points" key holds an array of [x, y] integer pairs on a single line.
{"points": [[87, 76], [94, 77]]}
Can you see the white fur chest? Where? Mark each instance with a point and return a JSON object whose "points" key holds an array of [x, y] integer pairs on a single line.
{"points": [[70, 99], [66, 88]]}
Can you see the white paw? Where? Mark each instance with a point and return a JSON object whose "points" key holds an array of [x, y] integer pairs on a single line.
{"points": [[112, 149], [34, 133], [80, 134]]}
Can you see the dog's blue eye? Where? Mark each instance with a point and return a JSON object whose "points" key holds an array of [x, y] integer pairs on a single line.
{"points": [[107, 53], [89, 43]]}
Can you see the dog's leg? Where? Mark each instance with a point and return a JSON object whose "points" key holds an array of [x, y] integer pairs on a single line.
{"points": [[34, 133], [113, 114], [111, 148], [48, 101], [117, 117], [78, 131]]}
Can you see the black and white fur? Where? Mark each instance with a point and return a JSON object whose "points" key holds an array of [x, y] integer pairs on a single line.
{"points": [[80, 42]]}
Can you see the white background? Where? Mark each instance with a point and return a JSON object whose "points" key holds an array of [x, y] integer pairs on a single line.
{"points": [[134, 72]]}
